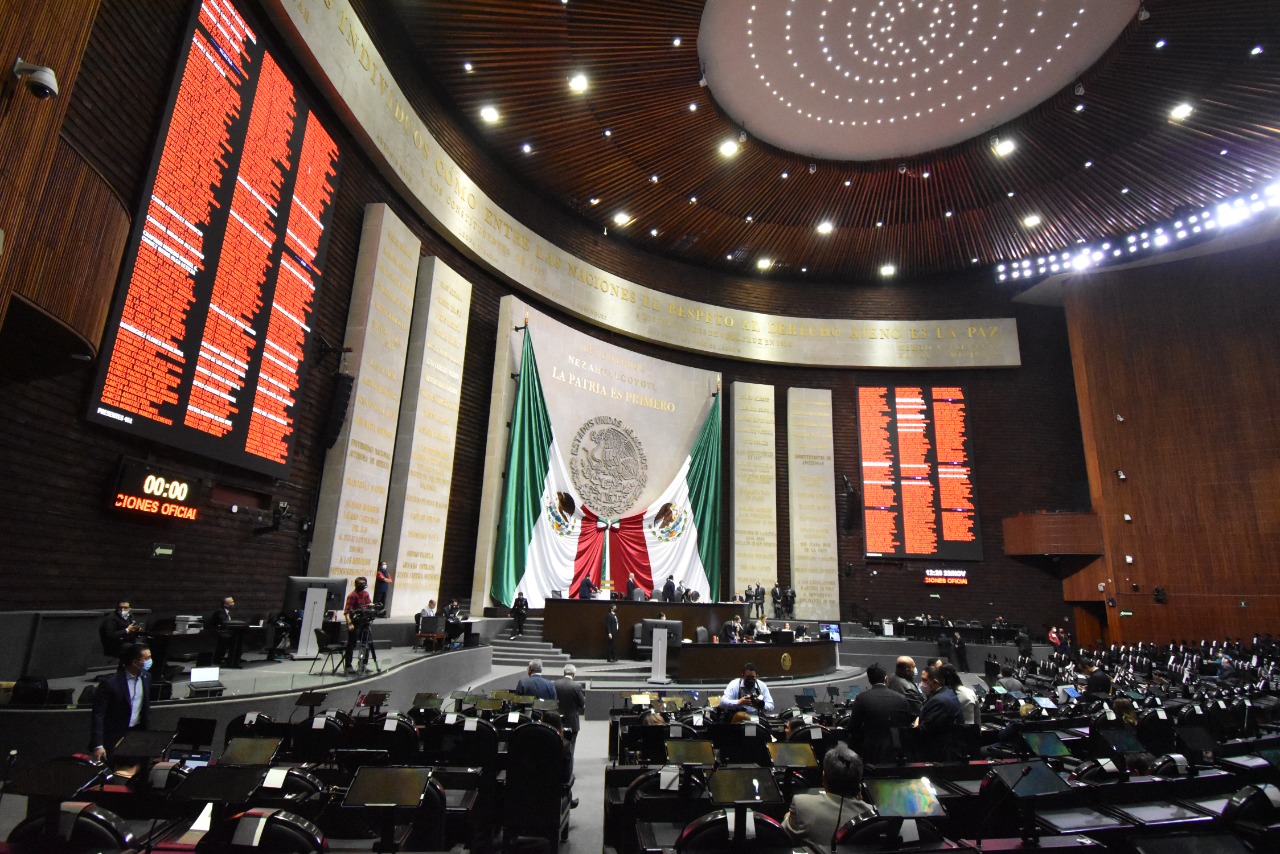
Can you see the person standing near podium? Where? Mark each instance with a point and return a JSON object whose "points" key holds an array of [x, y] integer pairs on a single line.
{"points": [[519, 613], [382, 585], [122, 701], [611, 633]]}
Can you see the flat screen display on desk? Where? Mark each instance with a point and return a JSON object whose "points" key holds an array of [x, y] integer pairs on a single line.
{"points": [[914, 798], [832, 630], [690, 751], [1045, 744], [736, 785], [673, 627], [206, 342], [918, 497], [1031, 778]]}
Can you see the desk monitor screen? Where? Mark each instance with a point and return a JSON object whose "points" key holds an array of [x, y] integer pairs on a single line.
{"points": [[489, 704], [1073, 693], [196, 731], [832, 630], [1122, 740], [999, 689], [738, 785], [296, 587], [907, 798], [250, 751], [783, 636], [792, 754], [426, 700], [387, 787], [142, 744], [675, 629], [373, 699], [1045, 744], [1045, 703], [311, 699], [230, 784], [1271, 755], [1031, 778], [690, 751], [639, 699]]}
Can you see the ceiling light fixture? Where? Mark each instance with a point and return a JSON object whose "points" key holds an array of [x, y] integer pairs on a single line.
{"points": [[825, 227], [887, 270], [1180, 112], [490, 114], [728, 148], [621, 218], [1031, 221], [1002, 147], [764, 263], [578, 83]]}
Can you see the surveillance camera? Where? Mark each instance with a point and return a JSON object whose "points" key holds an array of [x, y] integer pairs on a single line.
{"points": [[902, 168], [41, 80]]}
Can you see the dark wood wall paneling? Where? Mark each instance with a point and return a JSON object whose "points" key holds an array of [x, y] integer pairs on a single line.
{"points": [[1186, 354], [1024, 420]]}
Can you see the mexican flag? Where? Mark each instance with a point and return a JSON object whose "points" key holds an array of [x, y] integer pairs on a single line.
{"points": [[548, 541]]}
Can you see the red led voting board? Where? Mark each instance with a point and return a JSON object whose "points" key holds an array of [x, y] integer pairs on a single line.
{"points": [[917, 476], [209, 332]]}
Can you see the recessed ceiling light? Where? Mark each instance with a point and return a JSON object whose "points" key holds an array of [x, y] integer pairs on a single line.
{"points": [[653, 179], [608, 132], [693, 200], [826, 227], [578, 83], [1256, 50], [467, 67], [887, 270], [764, 263], [1004, 147], [489, 114], [527, 148], [595, 200], [675, 42], [1031, 221], [693, 108], [948, 214], [1079, 108], [1161, 43], [785, 176], [621, 218], [729, 147], [653, 232], [1088, 164], [1180, 112]]}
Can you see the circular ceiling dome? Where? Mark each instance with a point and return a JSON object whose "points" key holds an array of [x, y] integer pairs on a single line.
{"points": [[875, 79]]}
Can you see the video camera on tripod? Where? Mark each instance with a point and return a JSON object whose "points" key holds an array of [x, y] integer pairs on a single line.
{"points": [[366, 615]]}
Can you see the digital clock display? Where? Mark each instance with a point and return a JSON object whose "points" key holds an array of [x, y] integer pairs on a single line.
{"points": [[144, 488]]}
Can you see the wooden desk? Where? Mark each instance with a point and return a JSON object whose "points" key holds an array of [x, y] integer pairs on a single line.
{"points": [[720, 662], [577, 626]]}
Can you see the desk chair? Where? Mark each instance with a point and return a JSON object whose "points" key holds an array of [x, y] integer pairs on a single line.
{"points": [[331, 652], [430, 631]]}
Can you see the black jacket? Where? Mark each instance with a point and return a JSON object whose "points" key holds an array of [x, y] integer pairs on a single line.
{"points": [[875, 712], [111, 708]]}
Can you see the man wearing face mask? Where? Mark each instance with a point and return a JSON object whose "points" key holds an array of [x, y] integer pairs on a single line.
{"points": [[747, 692], [357, 600], [117, 630], [122, 701]]}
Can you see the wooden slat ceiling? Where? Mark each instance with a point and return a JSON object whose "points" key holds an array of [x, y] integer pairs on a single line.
{"points": [[525, 50]]}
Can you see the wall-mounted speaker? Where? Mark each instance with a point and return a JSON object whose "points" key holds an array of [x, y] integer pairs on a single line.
{"points": [[342, 386]]}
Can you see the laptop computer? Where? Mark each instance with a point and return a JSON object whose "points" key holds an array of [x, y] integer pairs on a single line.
{"points": [[205, 681]]}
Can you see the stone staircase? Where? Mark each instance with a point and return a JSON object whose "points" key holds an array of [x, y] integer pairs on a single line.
{"points": [[518, 651]]}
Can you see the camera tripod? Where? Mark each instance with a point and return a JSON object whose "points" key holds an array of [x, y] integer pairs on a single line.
{"points": [[364, 651]]}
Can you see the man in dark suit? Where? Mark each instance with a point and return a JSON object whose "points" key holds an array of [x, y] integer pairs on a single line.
{"points": [[122, 701], [875, 712], [777, 601], [669, 590], [631, 586], [519, 612], [586, 588], [759, 600], [534, 684], [117, 630], [611, 633], [218, 620], [903, 681], [572, 698], [939, 715]]}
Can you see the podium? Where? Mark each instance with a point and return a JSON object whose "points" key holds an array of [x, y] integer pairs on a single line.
{"points": [[658, 662]]}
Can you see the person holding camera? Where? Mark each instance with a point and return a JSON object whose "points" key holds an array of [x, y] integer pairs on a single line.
{"points": [[357, 601], [747, 692], [118, 630]]}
